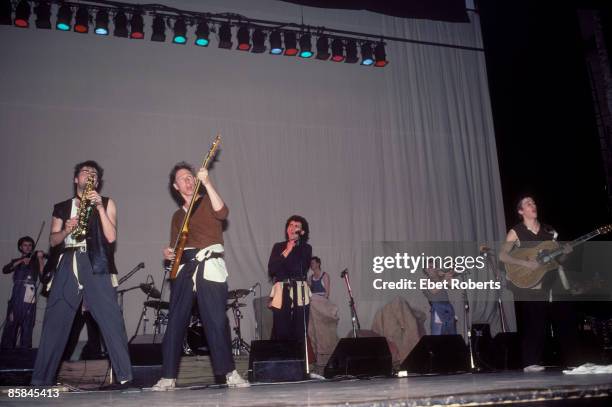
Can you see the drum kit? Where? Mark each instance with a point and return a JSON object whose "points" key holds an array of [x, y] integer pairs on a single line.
{"points": [[195, 339]]}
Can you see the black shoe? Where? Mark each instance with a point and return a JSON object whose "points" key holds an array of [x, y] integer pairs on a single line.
{"points": [[118, 386]]}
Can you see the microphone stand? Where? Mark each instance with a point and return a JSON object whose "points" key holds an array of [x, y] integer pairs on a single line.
{"points": [[131, 273], [466, 326], [257, 325], [500, 305], [167, 268], [143, 316], [123, 280], [121, 292], [354, 318], [305, 325]]}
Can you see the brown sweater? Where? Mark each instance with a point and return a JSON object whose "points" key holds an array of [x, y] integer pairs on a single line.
{"points": [[205, 225]]}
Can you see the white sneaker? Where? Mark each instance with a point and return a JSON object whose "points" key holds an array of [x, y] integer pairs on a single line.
{"points": [[534, 369], [233, 379], [164, 385]]}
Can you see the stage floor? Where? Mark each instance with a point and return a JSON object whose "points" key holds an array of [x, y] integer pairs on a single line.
{"points": [[553, 388]]}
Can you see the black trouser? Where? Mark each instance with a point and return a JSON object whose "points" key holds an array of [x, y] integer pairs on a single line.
{"points": [[212, 299], [288, 322], [20, 320], [531, 324], [63, 303], [535, 319]]}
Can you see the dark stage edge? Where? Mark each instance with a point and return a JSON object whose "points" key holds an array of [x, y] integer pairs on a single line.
{"points": [[518, 388]]}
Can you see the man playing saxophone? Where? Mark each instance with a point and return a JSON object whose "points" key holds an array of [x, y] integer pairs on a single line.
{"points": [[83, 233]]}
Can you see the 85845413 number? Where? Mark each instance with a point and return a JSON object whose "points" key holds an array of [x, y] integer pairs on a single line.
{"points": [[32, 392]]}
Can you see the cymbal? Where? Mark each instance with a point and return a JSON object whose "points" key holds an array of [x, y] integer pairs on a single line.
{"points": [[150, 290], [239, 293], [156, 304]]}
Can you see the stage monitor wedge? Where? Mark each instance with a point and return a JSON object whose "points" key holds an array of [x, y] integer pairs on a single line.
{"points": [[438, 354], [276, 361], [368, 356]]}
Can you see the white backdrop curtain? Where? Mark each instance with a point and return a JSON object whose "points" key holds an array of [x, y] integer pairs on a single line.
{"points": [[365, 154]]}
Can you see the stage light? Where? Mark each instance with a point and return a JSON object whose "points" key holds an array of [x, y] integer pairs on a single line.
{"points": [[351, 52], [43, 15], [259, 41], [225, 36], [137, 26], [202, 34], [305, 46], [180, 31], [290, 44], [6, 12], [244, 40], [120, 24], [159, 29], [366, 54], [380, 55], [64, 18], [276, 47], [337, 50], [101, 22], [81, 23], [22, 14], [323, 48]]}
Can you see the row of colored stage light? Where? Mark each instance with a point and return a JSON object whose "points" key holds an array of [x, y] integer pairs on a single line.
{"points": [[250, 37]]}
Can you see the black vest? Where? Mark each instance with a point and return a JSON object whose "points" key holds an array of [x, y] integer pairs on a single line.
{"points": [[529, 239], [101, 253]]}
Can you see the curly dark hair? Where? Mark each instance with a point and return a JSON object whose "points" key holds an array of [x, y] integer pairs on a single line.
{"points": [[94, 165], [305, 228]]}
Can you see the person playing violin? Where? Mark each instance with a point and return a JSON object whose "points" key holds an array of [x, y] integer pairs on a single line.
{"points": [[21, 311]]}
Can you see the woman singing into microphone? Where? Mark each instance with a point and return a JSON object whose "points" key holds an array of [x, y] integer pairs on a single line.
{"points": [[287, 268]]}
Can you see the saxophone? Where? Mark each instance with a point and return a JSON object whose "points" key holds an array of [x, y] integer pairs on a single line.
{"points": [[85, 208]]}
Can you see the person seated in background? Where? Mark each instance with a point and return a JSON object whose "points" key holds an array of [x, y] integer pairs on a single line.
{"points": [[443, 321], [318, 281]]}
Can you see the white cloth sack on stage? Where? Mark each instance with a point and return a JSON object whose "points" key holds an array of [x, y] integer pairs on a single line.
{"points": [[590, 368]]}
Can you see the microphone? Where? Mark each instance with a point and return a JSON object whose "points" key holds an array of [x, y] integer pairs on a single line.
{"points": [[299, 233], [252, 289], [485, 250], [343, 273], [140, 265]]}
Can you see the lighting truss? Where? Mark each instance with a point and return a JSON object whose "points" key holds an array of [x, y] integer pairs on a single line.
{"points": [[257, 36]]}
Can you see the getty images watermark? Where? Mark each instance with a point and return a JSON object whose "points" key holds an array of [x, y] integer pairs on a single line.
{"points": [[405, 267], [431, 268], [441, 272]]}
